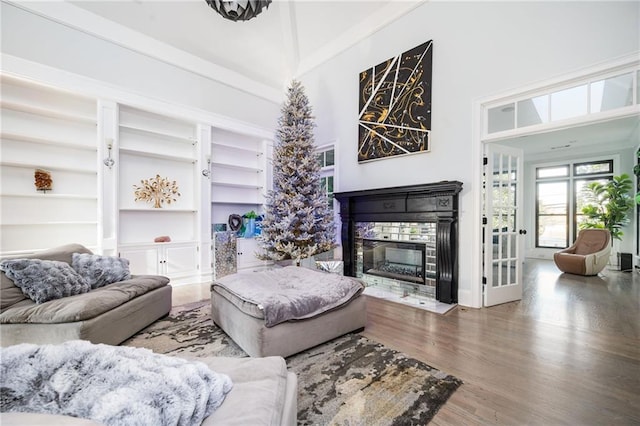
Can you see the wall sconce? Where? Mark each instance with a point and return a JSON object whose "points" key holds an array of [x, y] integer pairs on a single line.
{"points": [[109, 162], [207, 172]]}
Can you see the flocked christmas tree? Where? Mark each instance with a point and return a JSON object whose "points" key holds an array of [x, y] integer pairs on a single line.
{"points": [[298, 222]]}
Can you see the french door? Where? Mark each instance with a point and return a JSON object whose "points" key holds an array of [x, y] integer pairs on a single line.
{"points": [[503, 230]]}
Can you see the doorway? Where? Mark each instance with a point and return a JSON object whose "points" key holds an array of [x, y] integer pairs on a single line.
{"points": [[615, 123]]}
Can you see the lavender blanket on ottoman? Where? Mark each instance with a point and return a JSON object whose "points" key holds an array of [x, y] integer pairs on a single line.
{"points": [[285, 294]]}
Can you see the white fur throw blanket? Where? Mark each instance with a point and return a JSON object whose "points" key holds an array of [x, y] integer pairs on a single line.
{"points": [[113, 385]]}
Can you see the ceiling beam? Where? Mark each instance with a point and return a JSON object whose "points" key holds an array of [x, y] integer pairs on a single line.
{"points": [[290, 38]]}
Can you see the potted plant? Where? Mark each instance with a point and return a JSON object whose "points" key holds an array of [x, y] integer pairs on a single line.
{"points": [[608, 205]]}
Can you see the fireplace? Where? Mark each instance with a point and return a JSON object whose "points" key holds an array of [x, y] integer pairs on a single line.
{"points": [[404, 235], [394, 259]]}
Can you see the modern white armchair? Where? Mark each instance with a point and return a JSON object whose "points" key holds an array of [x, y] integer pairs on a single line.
{"points": [[588, 255]]}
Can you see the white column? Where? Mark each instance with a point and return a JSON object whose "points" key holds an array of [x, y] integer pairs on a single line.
{"points": [[108, 177], [203, 193]]}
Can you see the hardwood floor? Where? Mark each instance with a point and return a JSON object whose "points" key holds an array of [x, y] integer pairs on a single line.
{"points": [[567, 353]]}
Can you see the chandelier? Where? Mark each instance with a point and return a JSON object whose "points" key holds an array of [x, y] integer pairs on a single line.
{"points": [[241, 10]]}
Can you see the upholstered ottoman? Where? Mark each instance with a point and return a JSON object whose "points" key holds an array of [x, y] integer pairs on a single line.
{"points": [[286, 310]]}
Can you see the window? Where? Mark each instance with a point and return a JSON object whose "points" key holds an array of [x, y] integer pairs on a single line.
{"points": [[327, 185], [326, 158], [553, 213], [591, 95], [560, 198], [569, 103], [611, 93]]}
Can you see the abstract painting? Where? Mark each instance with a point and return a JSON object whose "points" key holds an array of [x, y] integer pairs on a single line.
{"points": [[395, 105]]}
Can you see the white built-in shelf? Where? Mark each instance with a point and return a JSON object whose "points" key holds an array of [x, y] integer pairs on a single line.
{"points": [[240, 169], [159, 134], [159, 156], [57, 223], [236, 167], [237, 148], [149, 243], [49, 168], [241, 200], [236, 203], [153, 210], [16, 253], [49, 112], [48, 142], [48, 194], [237, 185], [45, 128], [155, 144]]}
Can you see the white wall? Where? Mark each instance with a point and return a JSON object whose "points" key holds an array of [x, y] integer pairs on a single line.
{"points": [[480, 49], [43, 41]]}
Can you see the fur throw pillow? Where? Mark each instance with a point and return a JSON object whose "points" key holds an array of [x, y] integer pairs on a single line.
{"points": [[98, 270], [44, 280]]}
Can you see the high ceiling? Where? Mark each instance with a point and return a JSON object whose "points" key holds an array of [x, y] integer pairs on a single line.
{"points": [[287, 39], [284, 40]]}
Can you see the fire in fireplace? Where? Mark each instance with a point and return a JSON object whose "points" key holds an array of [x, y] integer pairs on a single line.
{"points": [[394, 259]]}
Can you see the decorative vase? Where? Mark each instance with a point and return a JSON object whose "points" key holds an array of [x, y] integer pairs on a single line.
{"points": [[249, 228]]}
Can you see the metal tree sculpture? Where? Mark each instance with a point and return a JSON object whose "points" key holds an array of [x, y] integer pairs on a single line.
{"points": [[157, 190]]}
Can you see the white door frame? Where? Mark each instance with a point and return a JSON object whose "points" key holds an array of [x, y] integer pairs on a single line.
{"points": [[478, 139]]}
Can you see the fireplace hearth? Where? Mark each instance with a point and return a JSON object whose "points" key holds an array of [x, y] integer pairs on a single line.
{"points": [[406, 235]]}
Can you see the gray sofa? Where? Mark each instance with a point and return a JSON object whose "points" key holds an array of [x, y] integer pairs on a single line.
{"points": [[264, 391], [264, 394], [108, 314]]}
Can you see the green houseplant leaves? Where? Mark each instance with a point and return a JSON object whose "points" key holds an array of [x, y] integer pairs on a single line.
{"points": [[608, 205]]}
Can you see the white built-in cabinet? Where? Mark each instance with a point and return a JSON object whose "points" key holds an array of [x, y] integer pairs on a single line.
{"points": [[247, 249], [241, 175], [175, 260], [153, 145], [96, 151], [53, 130]]}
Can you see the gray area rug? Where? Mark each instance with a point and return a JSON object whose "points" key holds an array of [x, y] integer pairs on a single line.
{"points": [[350, 380]]}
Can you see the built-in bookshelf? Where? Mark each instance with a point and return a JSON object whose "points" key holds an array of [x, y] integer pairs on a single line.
{"points": [[152, 145], [53, 131], [240, 179], [239, 174], [96, 151]]}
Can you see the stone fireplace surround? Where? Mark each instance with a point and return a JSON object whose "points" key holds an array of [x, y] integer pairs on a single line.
{"points": [[427, 203]]}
